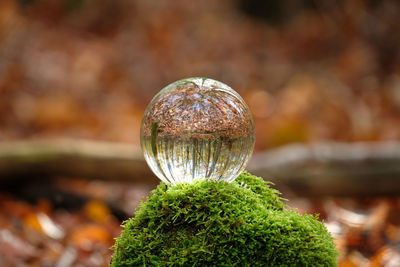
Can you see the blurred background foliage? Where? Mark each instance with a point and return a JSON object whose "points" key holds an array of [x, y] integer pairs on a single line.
{"points": [[311, 71]]}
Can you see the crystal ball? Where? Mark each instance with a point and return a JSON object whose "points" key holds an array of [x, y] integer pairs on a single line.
{"points": [[197, 128]]}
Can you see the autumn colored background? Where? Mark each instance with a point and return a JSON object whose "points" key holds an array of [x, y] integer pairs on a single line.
{"points": [[311, 71]]}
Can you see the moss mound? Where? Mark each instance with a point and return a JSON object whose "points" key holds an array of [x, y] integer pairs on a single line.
{"points": [[207, 223]]}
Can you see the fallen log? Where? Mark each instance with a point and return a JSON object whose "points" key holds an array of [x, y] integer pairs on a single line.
{"points": [[74, 158], [317, 169], [333, 168]]}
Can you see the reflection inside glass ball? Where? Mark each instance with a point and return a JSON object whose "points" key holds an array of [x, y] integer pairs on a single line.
{"points": [[197, 128]]}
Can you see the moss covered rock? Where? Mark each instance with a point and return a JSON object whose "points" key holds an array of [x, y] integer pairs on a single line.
{"points": [[208, 223]]}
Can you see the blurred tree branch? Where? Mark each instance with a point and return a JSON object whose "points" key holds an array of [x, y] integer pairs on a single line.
{"points": [[318, 169]]}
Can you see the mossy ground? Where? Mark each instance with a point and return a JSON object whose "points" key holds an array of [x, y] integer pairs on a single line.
{"points": [[208, 223]]}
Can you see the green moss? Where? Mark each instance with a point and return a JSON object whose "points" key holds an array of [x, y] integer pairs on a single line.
{"points": [[207, 223]]}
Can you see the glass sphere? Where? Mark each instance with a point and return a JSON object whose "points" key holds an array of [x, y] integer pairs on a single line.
{"points": [[197, 128]]}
